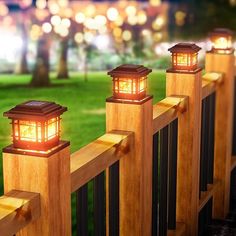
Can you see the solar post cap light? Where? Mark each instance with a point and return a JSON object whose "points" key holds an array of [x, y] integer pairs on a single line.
{"points": [[184, 57], [221, 41], [36, 127], [129, 83]]}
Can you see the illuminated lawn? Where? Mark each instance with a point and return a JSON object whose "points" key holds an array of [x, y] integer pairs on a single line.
{"points": [[85, 119]]}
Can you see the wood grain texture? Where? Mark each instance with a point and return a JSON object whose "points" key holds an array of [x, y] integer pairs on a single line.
{"points": [[51, 178], [223, 129], [205, 196], [167, 110], [18, 209], [136, 167], [179, 231], [210, 82], [188, 148], [94, 158]]}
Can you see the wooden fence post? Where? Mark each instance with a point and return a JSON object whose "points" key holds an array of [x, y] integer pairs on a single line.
{"points": [[187, 82], [135, 168], [44, 172], [224, 63]]}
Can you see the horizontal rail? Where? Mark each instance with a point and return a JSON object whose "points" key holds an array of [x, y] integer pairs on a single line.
{"points": [[209, 83], [179, 231], [167, 110], [205, 196], [18, 209], [233, 162], [94, 158]]}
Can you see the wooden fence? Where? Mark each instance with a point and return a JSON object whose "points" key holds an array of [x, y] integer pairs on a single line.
{"points": [[160, 169]]}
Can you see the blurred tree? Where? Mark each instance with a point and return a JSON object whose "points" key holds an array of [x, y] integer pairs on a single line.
{"points": [[63, 62], [22, 65], [41, 71]]}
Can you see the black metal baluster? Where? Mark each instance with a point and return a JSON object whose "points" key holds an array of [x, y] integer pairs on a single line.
{"points": [[211, 139], [204, 146], [114, 199], [155, 185], [163, 207], [82, 210], [173, 139], [99, 205], [209, 212]]}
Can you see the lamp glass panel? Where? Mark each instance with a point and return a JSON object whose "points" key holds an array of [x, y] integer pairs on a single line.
{"points": [[142, 84], [221, 43], [127, 86], [27, 131], [52, 128], [182, 59]]}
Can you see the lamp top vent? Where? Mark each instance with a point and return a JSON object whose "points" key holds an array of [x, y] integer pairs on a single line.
{"points": [[35, 110]]}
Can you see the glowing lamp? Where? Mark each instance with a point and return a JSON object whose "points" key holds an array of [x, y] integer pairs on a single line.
{"points": [[184, 57], [221, 40], [35, 126], [129, 82]]}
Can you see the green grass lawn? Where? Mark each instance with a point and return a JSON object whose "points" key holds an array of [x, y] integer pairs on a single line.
{"points": [[85, 119]]}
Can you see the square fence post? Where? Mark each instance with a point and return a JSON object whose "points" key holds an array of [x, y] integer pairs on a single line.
{"points": [[186, 80], [224, 63], [136, 167], [32, 167]]}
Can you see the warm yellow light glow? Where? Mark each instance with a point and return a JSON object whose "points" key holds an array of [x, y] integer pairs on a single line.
{"points": [[41, 4], [130, 86], [52, 128], [182, 59], [35, 32], [79, 37], [158, 23], [119, 21], [68, 12], [53, 7], [117, 32], [130, 10], [90, 23], [180, 18], [90, 10], [185, 59], [80, 17], [32, 131], [146, 32], [132, 20], [157, 36], [155, 3], [100, 20], [63, 3], [112, 14], [127, 35], [56, 20], [102, 29], [27, 131], [3, 9], [63, 31], [46, 27], [66, 22], [125, 86], [88, 37], [142, 17], [222, 43]]}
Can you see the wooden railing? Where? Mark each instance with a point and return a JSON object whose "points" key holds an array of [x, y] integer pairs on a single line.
{"points": [[128, 154]]}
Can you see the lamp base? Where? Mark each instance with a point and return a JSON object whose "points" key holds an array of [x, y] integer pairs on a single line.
{"points": [[184, 71], [48, 153], [127, 101]]}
